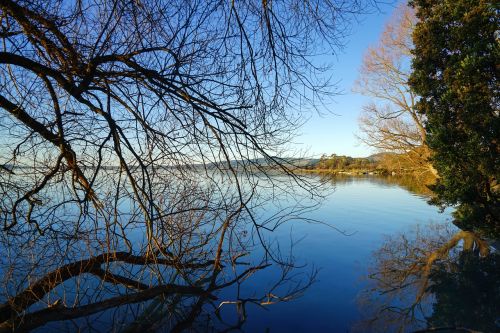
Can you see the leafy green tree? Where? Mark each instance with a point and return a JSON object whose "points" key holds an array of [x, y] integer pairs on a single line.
{"points": [[455, 73]]}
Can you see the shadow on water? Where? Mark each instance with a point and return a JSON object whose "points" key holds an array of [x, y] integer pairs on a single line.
{"points": [[432, 278]]}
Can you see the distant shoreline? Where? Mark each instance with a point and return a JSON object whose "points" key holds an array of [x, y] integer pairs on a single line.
{"points": [[355, 172]]}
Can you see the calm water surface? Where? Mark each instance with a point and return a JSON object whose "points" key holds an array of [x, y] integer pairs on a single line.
{"points": [[358, 215], [367, 209]]}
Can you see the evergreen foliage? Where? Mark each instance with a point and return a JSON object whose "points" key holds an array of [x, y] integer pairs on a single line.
{"points": [[455, 73]]}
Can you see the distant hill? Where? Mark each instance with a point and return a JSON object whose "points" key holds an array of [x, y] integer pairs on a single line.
{"points": [[378, 157], [290, 162]]}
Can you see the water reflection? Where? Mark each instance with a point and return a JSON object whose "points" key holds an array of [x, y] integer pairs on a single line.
{"points": [[182, 261], [413, 184], [432, 278], [99, 273], [126, 292]]}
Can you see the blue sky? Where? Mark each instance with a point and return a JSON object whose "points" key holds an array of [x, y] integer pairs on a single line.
{"points": [[335, 133]]}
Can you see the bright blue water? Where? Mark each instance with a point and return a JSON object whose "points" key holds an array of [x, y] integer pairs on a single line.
{"points": [[367, 208]]}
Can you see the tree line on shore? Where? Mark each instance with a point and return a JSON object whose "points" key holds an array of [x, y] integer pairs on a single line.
{"points": [[380, 163]]}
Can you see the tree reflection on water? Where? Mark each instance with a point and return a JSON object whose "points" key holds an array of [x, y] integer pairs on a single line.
{"points": [[98, 271], [432, 278], [412, 183]]}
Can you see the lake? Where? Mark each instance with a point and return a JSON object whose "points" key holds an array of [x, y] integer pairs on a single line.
{"points": [[361, 264], [367, 209]]}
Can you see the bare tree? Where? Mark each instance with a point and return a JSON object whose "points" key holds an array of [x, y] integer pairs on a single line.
{"points": [[136, 138], [391, 123]]}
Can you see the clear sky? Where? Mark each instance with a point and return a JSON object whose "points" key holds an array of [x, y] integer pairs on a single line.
{"points": [[335, 133]]}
